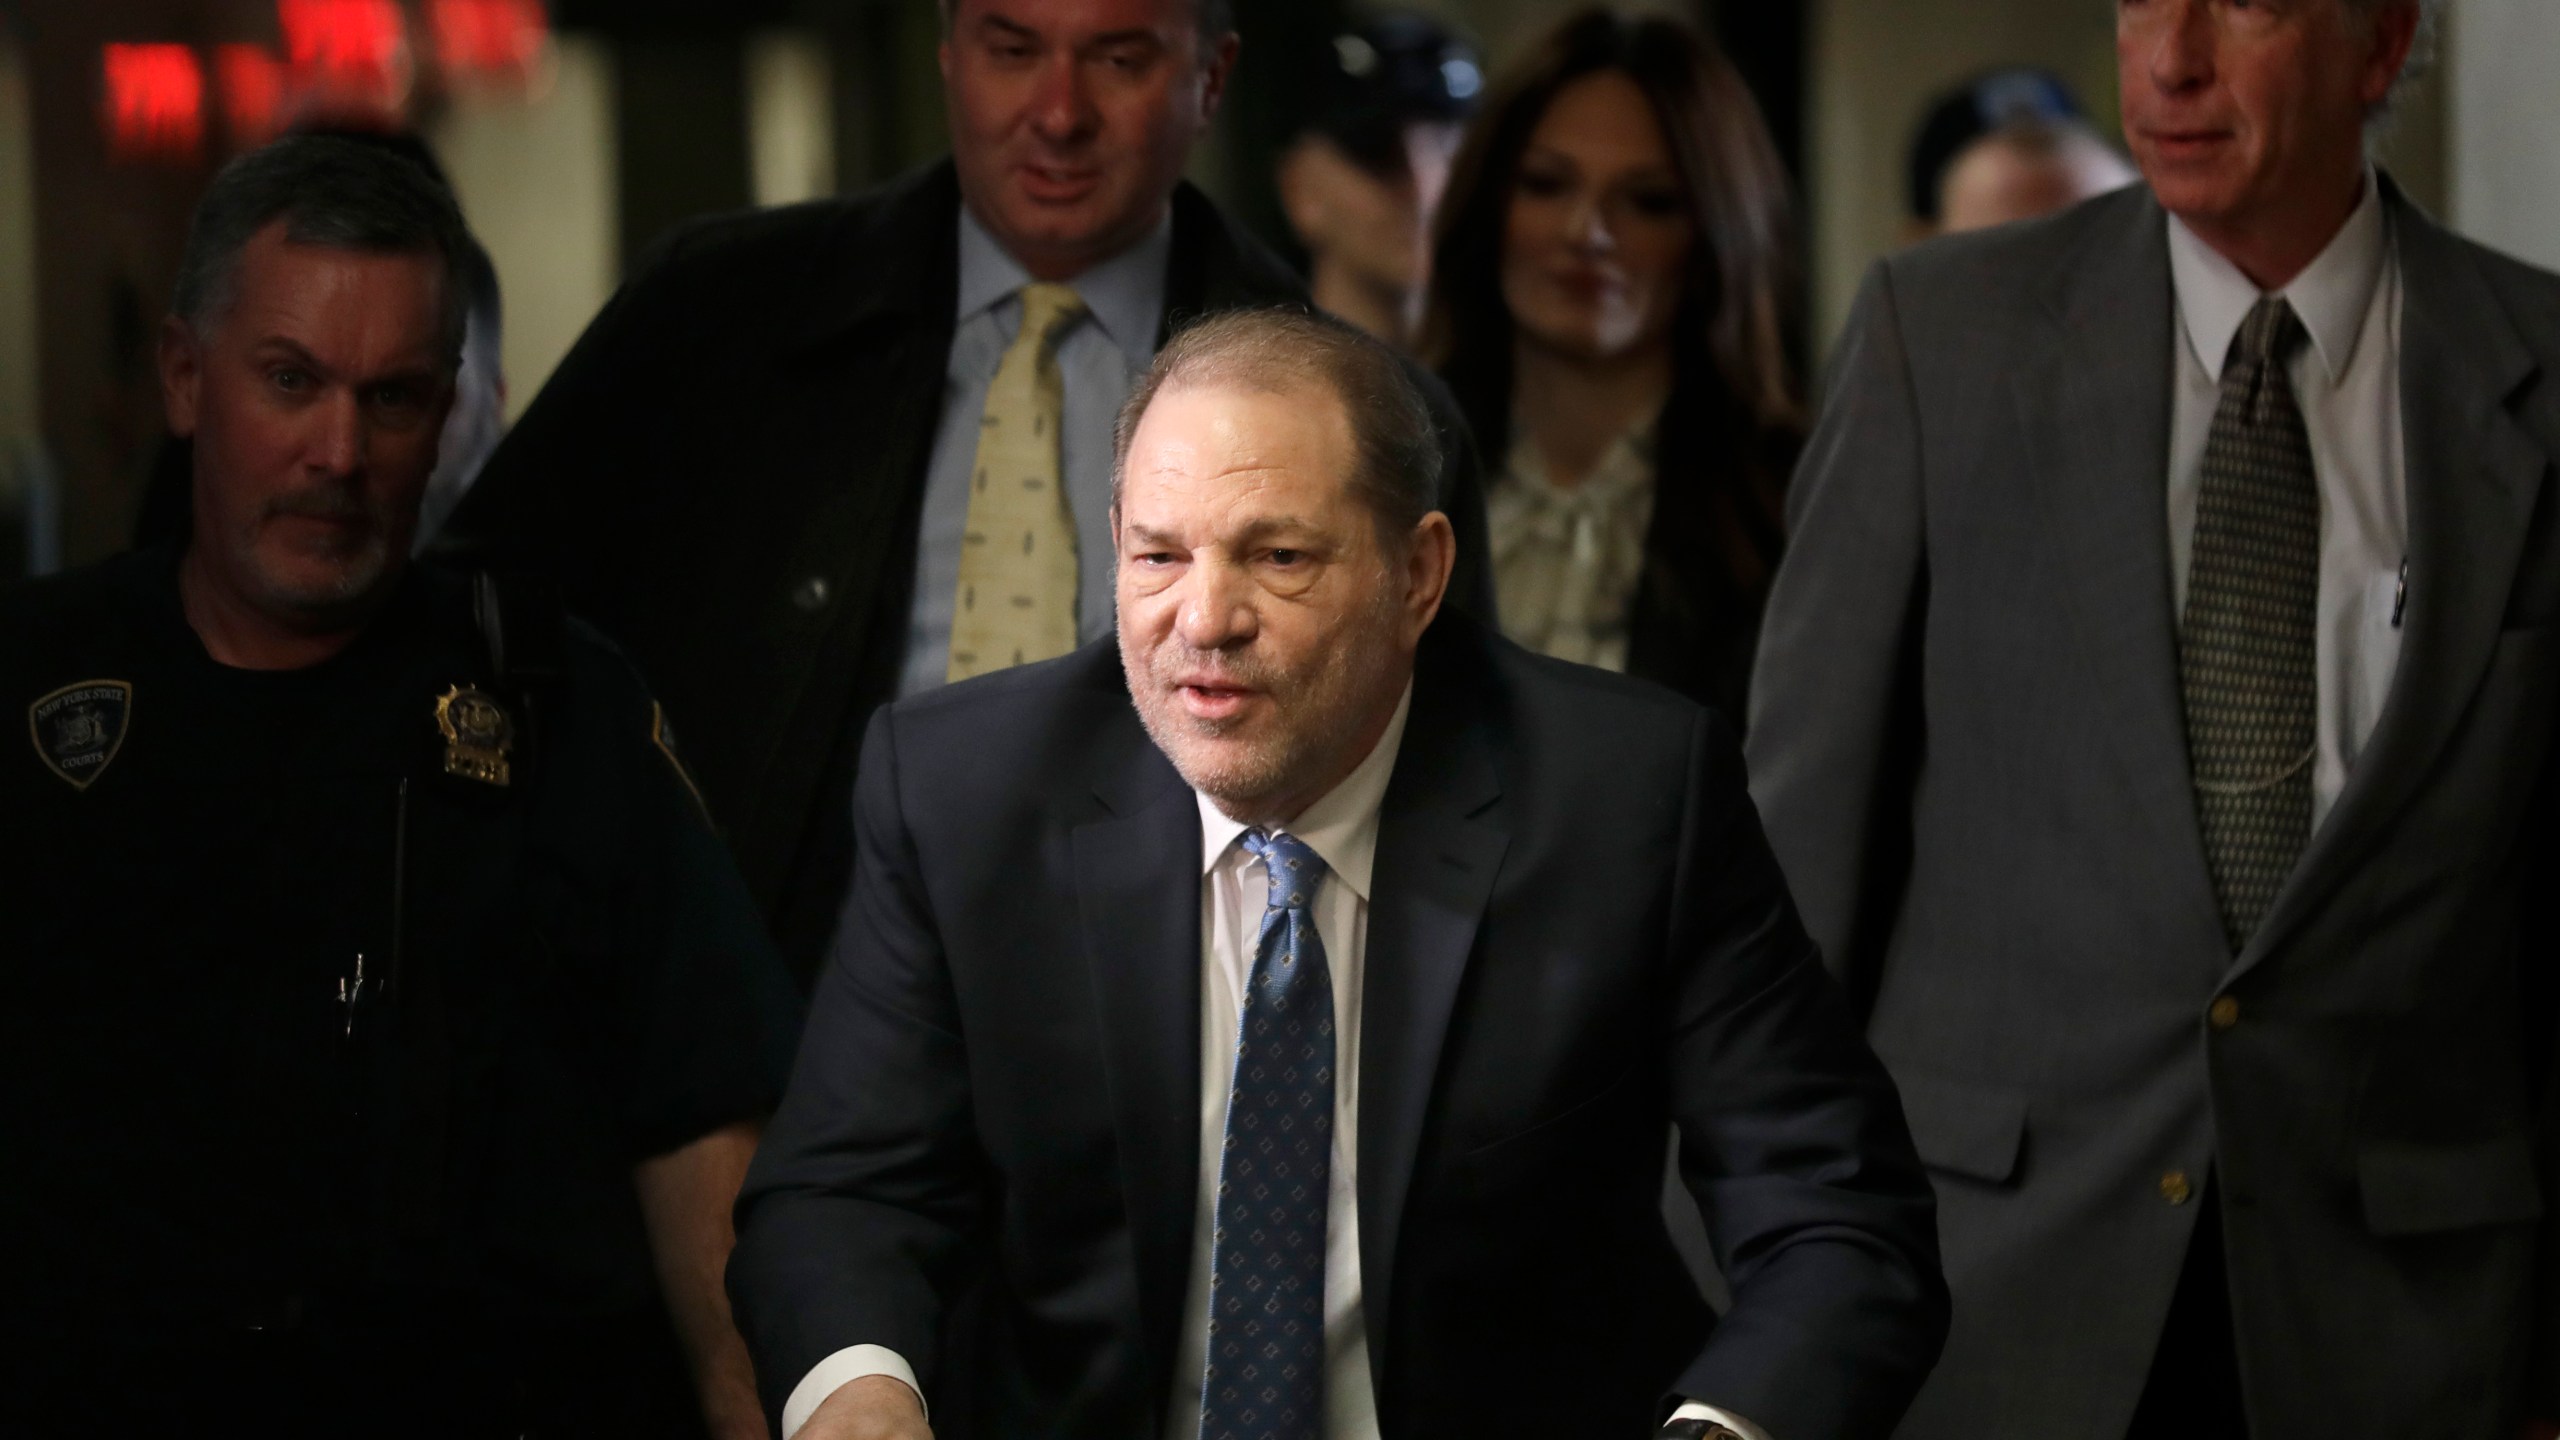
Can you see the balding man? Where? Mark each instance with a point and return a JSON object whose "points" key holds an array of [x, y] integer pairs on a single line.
{"points": [[2153, 717], [1267, 1026]]}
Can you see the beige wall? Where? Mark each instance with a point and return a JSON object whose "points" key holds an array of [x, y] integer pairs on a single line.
{"points": [[791, 117], [536, 178], [2503, 126]]}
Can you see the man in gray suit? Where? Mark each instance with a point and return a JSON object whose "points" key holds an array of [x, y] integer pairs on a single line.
{"points": [[2152, 720]]}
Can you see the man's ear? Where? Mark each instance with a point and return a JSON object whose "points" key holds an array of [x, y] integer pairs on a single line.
{"points": [[1216, 67], [1431, 553], [2395, 35], [181, 363]]}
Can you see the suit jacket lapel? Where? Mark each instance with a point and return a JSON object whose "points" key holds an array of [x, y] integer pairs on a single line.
{"points": [[2472, 475], [1138, 899], [1438, 853], [2095, 407]]}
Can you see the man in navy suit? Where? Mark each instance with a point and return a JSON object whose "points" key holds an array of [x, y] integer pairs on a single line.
{"points": [[1266, 1026]]}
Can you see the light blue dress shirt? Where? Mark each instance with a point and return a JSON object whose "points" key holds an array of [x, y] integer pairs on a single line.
{"points": [[1099, 360]]}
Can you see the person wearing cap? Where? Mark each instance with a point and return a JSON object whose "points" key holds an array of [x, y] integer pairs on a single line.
{"points": [[1362, 178], [2007, 145]]}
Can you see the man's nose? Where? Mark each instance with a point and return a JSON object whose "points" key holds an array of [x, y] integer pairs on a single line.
{"points": [[1217, 607], [339, 436], [2182, 47], [1062, 106]]}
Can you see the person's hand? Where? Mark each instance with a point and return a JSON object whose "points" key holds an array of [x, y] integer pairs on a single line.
{"points": [[875, 1407], [2541, 1430]]}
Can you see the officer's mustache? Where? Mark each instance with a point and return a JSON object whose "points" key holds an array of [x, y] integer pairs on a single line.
{"points": [[343, 506]]}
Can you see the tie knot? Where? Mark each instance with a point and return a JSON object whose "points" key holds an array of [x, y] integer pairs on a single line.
{"points": [[2270, 333], [1291, 866], [1048, 309]]}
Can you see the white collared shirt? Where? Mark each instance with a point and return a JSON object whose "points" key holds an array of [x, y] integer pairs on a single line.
{"points": [[2347, 382]]}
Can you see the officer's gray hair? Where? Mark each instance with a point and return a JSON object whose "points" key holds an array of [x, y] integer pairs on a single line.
{"points": [[329, 191], [1216, 20], [1396, 449]]}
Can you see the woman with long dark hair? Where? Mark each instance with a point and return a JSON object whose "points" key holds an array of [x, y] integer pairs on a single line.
{"points": [[1613, 295]]}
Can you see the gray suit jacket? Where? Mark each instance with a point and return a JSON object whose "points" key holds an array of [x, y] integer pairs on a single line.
{"points": [[1968, 746]]}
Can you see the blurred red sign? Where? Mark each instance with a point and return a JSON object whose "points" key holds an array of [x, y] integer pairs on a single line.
{"points": [[154, 102], [495, 38], [351, 51], [252, 82]]}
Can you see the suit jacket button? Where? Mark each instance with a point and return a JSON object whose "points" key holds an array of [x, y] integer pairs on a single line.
{"points": [[2175, 1189], [2225, 1013], [811, 594]]}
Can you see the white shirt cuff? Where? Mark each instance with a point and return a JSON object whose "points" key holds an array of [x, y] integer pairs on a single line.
{"points": [[1691, 1411], [854, 1362]]}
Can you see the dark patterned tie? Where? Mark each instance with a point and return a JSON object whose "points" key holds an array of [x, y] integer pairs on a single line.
{"points": [[1265, 1376], [2247, 647]]}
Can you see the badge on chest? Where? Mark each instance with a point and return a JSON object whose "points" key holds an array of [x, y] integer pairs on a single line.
{"points": [[478, 734], [79, 728]]}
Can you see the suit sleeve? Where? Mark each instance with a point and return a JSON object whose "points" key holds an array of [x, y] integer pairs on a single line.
{"points": [[1793, 1142], [1835, 723], [854, 1220]]}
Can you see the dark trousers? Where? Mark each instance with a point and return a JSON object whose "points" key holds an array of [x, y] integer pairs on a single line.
{"points": [[2193, 1392]]}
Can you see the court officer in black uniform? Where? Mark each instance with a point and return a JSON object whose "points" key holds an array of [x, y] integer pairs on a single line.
{"points": [[383, 1030]]}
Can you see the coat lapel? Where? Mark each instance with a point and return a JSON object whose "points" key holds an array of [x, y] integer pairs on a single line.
{"points": [[1438, 853], [2473, 475], [2094, 405], [1138, 900]]}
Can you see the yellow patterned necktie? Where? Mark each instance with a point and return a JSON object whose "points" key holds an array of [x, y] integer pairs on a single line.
{"points": [[1017, 596]]}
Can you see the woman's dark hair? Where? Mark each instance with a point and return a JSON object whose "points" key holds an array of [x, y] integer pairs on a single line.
{"points": [[1736, 416]]}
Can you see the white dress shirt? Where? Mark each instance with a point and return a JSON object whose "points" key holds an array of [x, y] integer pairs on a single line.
{"points": [[2347, 382], [1342, 828]]}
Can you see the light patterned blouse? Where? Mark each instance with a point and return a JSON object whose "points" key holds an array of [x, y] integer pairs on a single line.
{"points": [[1566, 561]]}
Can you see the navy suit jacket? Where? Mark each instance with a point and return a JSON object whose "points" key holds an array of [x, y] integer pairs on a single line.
{"points": [[988, 1156]]}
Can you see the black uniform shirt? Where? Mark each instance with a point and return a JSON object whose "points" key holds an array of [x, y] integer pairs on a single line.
{"points": [[562, 975]]}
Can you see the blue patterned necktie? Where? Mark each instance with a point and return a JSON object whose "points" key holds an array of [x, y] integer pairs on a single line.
{"points": [[1265, 1376]]}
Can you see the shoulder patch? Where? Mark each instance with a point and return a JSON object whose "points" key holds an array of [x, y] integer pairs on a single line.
{"points": [[79, 728], [664, 737]]}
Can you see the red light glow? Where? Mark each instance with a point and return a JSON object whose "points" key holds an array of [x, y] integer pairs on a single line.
{"points": [[155, 102], [488, 37], [348, 52], [252, 82], [355, 35]]}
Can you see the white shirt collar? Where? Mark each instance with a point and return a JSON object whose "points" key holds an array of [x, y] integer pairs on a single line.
{"points": [[2331, 295], [1342, 827], [1124, 293]]}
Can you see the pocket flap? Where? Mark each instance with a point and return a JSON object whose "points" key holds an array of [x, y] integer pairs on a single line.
{"points": [[2415, 1189], [1963, 1126]]}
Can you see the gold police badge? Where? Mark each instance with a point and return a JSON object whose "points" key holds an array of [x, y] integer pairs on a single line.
{"points": [[79, 728], [477, 735]]}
